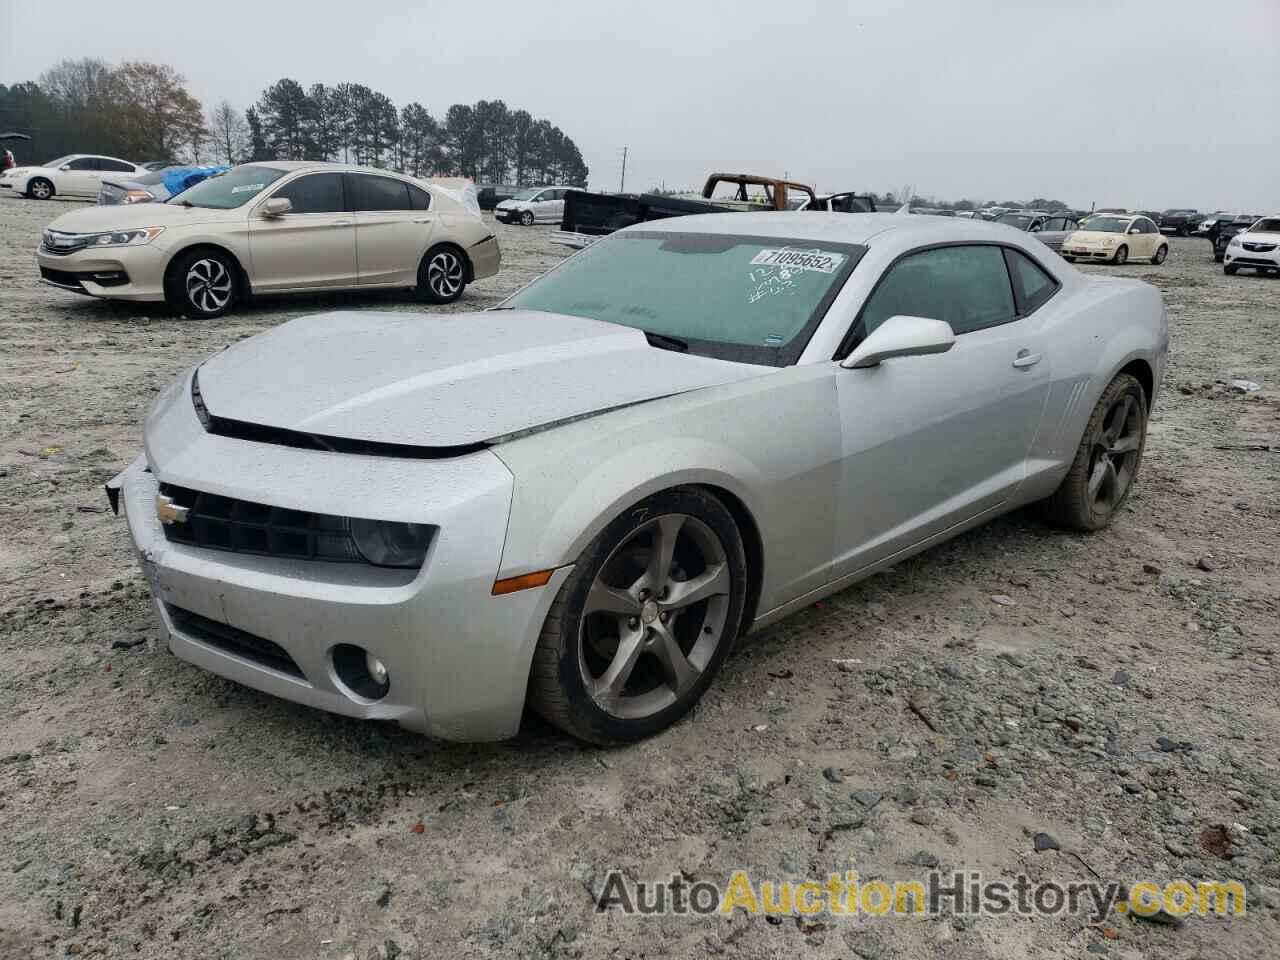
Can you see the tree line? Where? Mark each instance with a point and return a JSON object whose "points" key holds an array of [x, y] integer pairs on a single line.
{"points": [[143, 111]]}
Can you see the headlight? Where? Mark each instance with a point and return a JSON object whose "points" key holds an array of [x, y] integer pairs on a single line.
{"points": [[388, 544], [1108, 241], [126, 238], [1235, 241]]}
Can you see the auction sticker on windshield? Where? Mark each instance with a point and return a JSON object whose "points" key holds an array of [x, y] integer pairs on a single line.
{"points": [[793, 259], [248, 188]]}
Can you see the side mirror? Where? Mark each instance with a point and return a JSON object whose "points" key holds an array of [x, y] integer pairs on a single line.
{"points": [[901, 336], [277, 207], [65, 167]]}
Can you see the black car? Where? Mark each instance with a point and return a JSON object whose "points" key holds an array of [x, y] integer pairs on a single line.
{"points": [[1179, 222], [1226, 230], [492, 194]]}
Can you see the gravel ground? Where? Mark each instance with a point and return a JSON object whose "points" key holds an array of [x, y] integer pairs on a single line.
{"points": [[1125, 703]]}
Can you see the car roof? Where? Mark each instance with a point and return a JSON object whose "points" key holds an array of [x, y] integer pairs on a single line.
{"points": [[815, 226]]}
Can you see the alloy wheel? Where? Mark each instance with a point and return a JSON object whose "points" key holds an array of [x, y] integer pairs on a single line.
{"points": [[444, 274], [1114, 456], [654, 616], [41, 190], [209, 285]]}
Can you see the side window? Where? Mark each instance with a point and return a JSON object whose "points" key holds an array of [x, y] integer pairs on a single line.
{"points": [[84, 163], [544, 195], [1054, 224], [380, 193], [314, 193], [419, 198], [116, 166], [1033, 284], [965, 286]]}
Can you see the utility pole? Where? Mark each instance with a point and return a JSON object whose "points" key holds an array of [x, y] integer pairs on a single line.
{"points": [[622, 184]]}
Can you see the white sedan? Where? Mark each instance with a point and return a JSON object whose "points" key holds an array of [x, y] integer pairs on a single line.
{"points": [[579, 500], [1257, 248], [75, 175]]}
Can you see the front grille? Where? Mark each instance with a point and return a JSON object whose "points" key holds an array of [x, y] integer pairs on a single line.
{"points": [[1259, 247], [1252, 262], [240, 526], [233, 640], [59, 244]]}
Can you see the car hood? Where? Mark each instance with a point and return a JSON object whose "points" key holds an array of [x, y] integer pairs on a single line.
{"points": [[1250, 236], [19, 171], [133, 216], [444, 380]]}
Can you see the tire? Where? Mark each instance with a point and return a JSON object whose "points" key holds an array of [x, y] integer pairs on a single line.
{"points": [[661, 666], [1161, 253], [1217, 257], [1230, 269], [202, 284], [526, 218], [1097, 485], [1121, 256], [38, 188], [442, 275]]}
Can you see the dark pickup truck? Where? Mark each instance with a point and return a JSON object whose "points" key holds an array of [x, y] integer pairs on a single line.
{"points": [[591, 215], [1179, 222]]}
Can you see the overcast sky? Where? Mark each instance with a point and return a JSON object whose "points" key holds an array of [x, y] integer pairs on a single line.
{"points": [[1137, 103]]}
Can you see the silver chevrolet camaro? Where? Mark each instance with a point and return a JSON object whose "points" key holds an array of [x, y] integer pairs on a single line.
{"points": [[580, 499]]}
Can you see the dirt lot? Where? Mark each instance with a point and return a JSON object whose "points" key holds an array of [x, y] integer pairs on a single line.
{"points": [[1124, 704]]}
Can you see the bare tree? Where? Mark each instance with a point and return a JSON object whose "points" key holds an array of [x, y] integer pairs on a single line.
{"points": [[229, 133]]}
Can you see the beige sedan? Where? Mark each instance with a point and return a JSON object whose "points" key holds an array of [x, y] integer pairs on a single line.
{"points": [[274, 227], [1117, 239]]}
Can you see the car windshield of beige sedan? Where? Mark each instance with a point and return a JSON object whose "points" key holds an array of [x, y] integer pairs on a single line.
{"points": [[1108, 224], [748, 299], [232, 189]]}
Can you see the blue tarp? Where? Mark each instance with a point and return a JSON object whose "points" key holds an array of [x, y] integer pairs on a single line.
{"points": [[177, 179]]}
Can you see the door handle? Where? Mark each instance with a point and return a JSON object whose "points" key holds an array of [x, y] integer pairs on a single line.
{"points": [[1026, 359], [340, 223], [422, 220]]}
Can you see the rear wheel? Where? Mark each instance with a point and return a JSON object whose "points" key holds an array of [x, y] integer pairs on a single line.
{"points": [[1106, 462], [40, 189], [644, 622], [1121, 256], [442, 275], [202, 284], [1160, 254]]}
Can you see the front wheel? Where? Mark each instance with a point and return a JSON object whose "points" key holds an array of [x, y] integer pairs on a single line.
{"points": [[1230, 269], [1106, 462], [442, 275], [644, 622], [526, 218], [40, 189], [1160, 255], [201, 284], [1121, 255]]}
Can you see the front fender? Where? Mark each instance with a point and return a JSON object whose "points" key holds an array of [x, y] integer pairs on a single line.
{"points": [[772, 442]]}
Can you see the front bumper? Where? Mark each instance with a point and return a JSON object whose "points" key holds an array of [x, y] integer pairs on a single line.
{"points": [[1088, 253], [458, 658], [1240, 256], [508, 216], [98, 272]]}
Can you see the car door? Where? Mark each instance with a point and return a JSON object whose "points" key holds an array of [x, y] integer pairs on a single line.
{"points": [[313, 245], [1143, 243], [931, 442], [543, 207], [391, 236], [79, 178]]}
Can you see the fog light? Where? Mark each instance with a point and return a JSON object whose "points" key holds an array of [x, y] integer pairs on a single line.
{"points": [[361, 672], [377, 669]]}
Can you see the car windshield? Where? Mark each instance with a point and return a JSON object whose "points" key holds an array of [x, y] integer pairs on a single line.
{"points": [[744, 298], [1019, 220], [231, 189], [60, 161], [1267, 225], [1109, 224], [527, 194]]}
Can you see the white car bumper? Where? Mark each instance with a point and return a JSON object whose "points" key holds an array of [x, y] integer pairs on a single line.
{"points": [[1259, 254]]}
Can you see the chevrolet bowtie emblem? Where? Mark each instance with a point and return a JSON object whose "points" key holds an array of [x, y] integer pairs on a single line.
{"points": [[170, 512]]}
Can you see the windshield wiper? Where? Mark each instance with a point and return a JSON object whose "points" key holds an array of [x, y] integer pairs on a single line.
{"points": [[664, 342]]}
